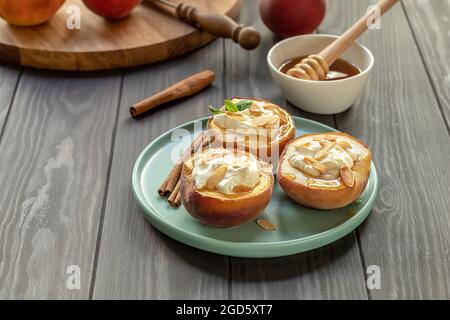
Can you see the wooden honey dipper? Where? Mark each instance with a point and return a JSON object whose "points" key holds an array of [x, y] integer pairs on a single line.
{"points": [[316, 66]]}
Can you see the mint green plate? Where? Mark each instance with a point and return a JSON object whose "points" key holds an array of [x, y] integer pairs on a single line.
{"points": [[298, 229]]}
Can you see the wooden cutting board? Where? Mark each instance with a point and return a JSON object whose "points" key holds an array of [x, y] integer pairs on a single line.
{"points": [[148, 35]]}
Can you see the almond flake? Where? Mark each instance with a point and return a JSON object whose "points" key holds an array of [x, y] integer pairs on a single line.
{"points": [[328, 146], [265, 224], [344, 144], [347, 176], [320, 155], [271, 122], [330, 138], [290, 176], [235, 115], [320, 167], [241, 189], [216, 177], [255, 110], [351, 212], [309, 160], [264, 120], [317, 139]]}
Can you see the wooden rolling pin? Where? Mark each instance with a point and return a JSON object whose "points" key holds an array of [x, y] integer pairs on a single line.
{"points": [[217, 24], [184, 88], [316, 66]]}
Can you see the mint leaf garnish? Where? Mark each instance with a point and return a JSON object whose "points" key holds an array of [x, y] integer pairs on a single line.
{"points": [[243, 104], [230, 106], [214, 110]]}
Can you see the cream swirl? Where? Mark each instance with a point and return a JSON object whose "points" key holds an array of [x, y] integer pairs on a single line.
{"points": [[321, 159], [253, 118], [225, 171]]}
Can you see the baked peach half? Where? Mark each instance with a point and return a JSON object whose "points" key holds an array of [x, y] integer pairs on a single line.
{"points": [[225, 187], [324, 171], [257, 126]]}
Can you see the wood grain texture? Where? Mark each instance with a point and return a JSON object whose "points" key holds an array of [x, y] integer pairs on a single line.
{"points": [[9, 76], [101, 44], [430, 22], [136, 261], [53, 165], [332, 272], [56, 147], [408, 234]]}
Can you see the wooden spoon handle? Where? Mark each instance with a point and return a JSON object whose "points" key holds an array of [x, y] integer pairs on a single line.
{"points": [[335, 49], [220, 25]]}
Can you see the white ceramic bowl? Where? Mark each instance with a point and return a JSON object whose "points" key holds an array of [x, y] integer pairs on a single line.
{"points": [[323, 97]]}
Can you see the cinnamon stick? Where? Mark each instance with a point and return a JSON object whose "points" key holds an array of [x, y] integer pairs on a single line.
{"points": [[175, 197], [177, 201], [193, 148], [184, 88], [174, 194], [171, 180], [171, 185]]}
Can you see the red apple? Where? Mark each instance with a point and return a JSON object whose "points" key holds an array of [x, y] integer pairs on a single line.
{"points": [[28, 12], [288, 18], [112, 9]]}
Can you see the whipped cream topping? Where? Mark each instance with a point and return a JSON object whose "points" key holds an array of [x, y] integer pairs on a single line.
{"points": [[321, 159], [225, 171], [256, 117]]}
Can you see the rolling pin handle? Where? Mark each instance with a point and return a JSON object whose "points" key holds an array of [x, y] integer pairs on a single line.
{"points": [[247, 37], [220, 25]]}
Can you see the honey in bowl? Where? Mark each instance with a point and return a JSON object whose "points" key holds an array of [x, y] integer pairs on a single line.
{"points": [[340, 69]]}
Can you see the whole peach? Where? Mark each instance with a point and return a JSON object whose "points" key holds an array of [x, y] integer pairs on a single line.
{"points": [[28, 12], [112, 9], [288, 18]]}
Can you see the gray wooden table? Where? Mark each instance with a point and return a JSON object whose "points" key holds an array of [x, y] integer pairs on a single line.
{"points": [[67, 147]]}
